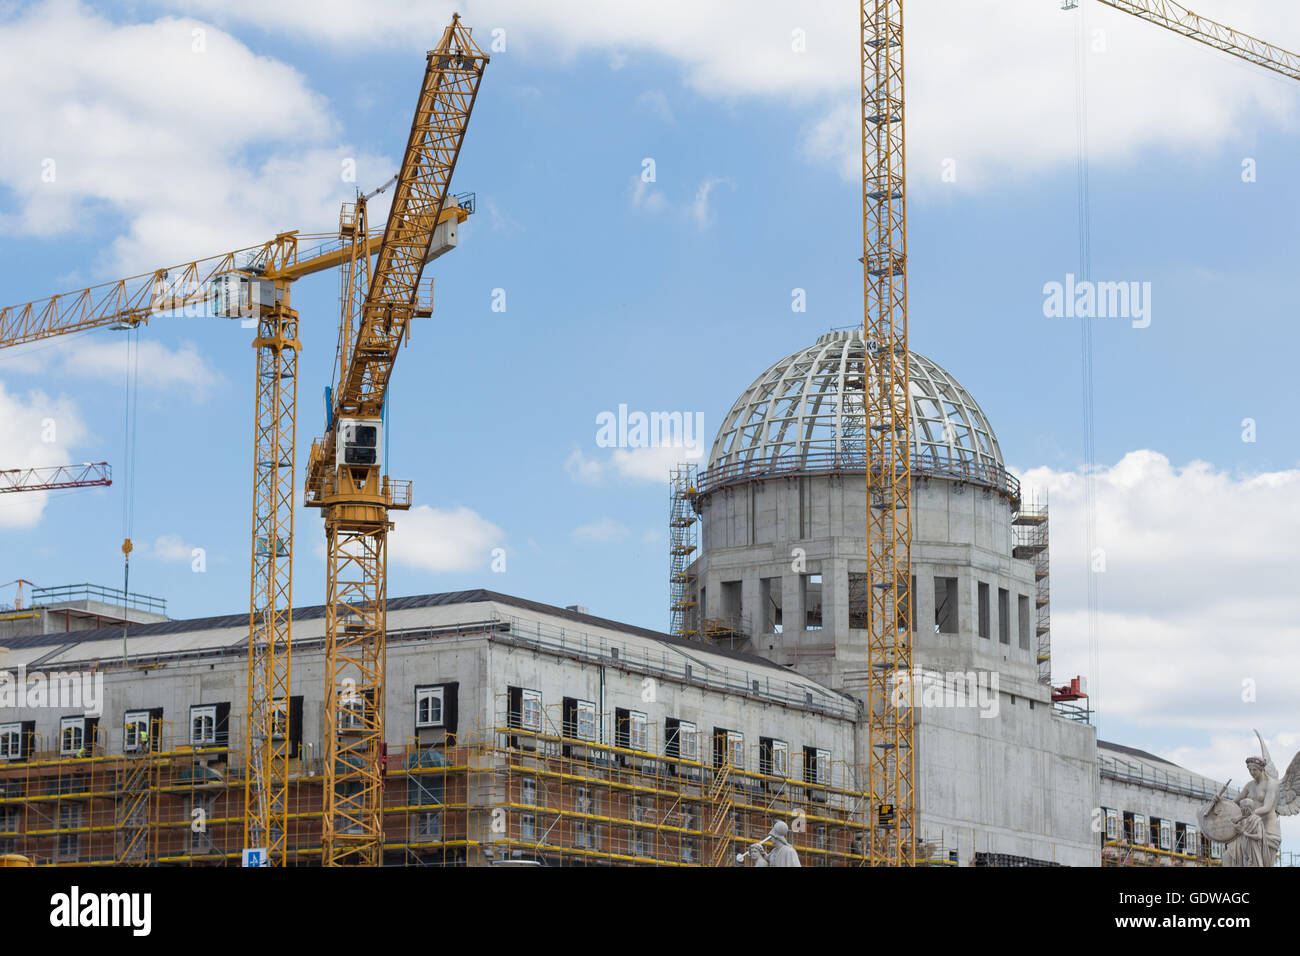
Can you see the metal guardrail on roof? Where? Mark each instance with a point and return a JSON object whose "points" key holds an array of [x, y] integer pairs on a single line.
{"points": [[1127, 771], [994, 477], [678, 665], [95, 592]]}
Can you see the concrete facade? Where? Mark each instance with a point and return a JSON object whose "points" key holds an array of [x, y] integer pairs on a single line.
{"points": [[781, 572], [482, 642]]}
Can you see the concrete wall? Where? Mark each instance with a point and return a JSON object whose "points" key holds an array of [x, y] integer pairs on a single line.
{"points": [[1015, 778], [484, 669]]}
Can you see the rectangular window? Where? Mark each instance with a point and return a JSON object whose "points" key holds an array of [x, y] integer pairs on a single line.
{"points": [[429, 825], [817, 766], [769, 592], [429, 706], [11, 741], [1112, 824], [1004, 616], [69, 819], [858, 601], [690, 850], [135, 731], [732, 608], [1023, 601], [728, 748], [945, 605], [1140, 829], [1193, 841], [736, 749], [1166, 835], [72, 735], [639, 736], [684, 740], [527, 827], [203, 725], [630, 729], [812, 602], [773, 757], [586, 712], [641, 843], [984, 609], [525, 708], [780, 762], [279, 719], [528, 791]]}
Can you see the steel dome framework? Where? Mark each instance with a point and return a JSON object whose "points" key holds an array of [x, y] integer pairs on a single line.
{"points": [[805, 414]]}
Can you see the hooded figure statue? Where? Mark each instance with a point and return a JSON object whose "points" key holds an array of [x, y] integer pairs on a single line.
{"points": [[783, 854]]}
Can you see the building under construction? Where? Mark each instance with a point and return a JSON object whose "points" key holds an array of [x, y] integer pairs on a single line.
{"points": [[523, 733], [859, 606]]}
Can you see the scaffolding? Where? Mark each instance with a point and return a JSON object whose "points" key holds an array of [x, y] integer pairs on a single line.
{"points": [[683, 541], [1031, 530], [504, 793]]}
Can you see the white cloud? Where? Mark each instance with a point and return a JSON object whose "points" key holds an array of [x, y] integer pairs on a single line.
{"points": [[181, 370], [653, 464], [655, 102], [700, 211], [648, 196], [437, 540], [194, 151], [584, 469], [990, 82], [635, 464], [36, 431], [602, 531], [171, 548], [1198, 599]]}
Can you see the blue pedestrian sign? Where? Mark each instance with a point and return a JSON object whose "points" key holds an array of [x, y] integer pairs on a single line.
{"points": [[256, 857]]}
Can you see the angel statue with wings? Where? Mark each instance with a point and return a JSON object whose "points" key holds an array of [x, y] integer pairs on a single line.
{"points": [[1248, 826]]}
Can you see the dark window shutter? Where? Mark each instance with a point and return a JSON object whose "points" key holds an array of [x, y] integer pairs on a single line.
{"points": [[719, 746], [570, 723], [449, 711], [765, 755], [622, 724], [295, 725], [27, 738], [156, 728], [515, 705], [223, 723]]}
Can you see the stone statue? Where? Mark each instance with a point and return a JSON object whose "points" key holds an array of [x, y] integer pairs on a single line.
{"points": [[1248, 826], [783, 854]]}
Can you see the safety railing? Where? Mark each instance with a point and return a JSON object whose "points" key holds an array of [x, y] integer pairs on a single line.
{"points": [[994, 477]]}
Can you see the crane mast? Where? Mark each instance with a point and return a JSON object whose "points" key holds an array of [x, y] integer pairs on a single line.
{"points": [[890, 758], [345, 475]]}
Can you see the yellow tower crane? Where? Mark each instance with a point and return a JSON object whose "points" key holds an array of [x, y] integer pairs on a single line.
{"points": [[884, 239], [251, 284], [890, 756], [345, 473], [890, 753]]}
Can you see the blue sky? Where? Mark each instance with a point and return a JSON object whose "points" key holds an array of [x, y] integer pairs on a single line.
{"points": [[676, 295]]}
